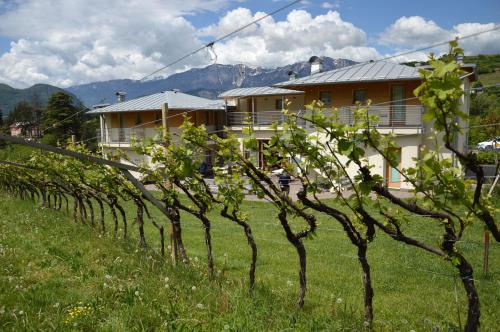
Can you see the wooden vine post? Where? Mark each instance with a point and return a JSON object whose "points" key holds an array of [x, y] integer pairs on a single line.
{"points": [[172, 231]]}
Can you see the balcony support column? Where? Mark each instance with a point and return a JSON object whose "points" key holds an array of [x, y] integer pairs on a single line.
{"points": [[164, 121], [102, 124]]}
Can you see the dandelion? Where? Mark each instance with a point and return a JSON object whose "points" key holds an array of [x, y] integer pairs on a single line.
{"points": [[167, 286], [404, 321], [2, 310], [108, 277], [200, 306], [169, 247], [193, 288], [137, 293], [226, 327], [367, 323], [105, 285], [196, 259], [167, 279], [339, 300], [225, 254], [56, 305], [289, 283], [21, 312]]}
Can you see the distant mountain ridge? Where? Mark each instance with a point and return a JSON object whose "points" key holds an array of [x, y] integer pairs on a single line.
{"points": [[37, 95], [207, 82]]}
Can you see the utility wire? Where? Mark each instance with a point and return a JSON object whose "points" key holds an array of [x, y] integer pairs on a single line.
{"points": [[343, 69], [376, 104], [230, 34], [209, 46]]}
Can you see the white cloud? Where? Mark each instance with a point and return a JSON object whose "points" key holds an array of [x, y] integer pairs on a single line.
{"points": [[413, 30], [71, 42], [416, 31], [331, 5], [297, 38], [487, 43]]}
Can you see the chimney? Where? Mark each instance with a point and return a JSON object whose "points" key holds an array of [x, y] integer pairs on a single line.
{"points": [[291, 75], [121, 96], [459, 59], [316, 65]]}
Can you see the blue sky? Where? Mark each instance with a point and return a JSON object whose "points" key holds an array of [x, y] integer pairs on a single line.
{"points": [[79, 41]]}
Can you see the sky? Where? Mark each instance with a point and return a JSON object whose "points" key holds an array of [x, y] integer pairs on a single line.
{"points": [[66, 43]]}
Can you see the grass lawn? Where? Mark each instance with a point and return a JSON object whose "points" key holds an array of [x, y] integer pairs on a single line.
{"points": [[58, 275]]}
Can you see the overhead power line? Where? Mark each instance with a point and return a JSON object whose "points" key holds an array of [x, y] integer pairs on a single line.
{"points": [[209, 45], [234, 32], [230, 34], [343, 69]]}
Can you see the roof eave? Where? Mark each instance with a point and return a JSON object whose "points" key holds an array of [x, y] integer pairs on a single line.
{"points": [[351, 82]]}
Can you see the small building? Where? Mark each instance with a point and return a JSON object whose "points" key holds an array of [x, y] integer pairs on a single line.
{"points": [[27, 130], [125, 121]]}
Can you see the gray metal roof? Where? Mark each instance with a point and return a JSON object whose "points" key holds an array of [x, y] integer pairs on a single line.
{"points": [[363, 72], [258, 91], [175, 100]]}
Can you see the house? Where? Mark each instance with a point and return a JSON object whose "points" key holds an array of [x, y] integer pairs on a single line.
{"points": [[125, 121], [26, 129], [259, 107], [388, 85]]}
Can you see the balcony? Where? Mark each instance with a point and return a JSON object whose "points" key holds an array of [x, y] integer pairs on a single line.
{"points": [[406, 117], [123, 137], [260, 118], [409, 116]]}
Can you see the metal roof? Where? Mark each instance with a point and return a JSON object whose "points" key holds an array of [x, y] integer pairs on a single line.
{"points": [[258, 91], [175, 100], [363, 72]]}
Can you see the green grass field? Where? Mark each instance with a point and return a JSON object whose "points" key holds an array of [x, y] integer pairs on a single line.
{"points": [[58, 275]]}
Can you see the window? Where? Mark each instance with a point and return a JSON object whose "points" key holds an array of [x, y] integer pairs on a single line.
{"points": [[325, 97], [138, 119], [279, 104], [359, 96]]}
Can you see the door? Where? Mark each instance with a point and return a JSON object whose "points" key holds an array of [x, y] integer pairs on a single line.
{"points": [[398, 105], [392, 175]]}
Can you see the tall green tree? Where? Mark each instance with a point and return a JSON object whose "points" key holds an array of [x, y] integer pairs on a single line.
{"points": [[23, 116], [62, 118]]}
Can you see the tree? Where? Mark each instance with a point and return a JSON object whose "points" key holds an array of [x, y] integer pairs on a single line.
{"points": [[23, 116], [62, 118]]}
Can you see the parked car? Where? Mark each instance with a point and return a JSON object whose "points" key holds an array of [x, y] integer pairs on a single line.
{"points": [[489, 145]]}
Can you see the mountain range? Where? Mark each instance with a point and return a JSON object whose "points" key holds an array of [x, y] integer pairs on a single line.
{"points": [[206, 82], [37, 95]]}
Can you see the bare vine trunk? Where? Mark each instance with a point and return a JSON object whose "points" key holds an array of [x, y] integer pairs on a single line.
{"points": [[208, 243], [91, 212], [473, 310], [101, 210], [124, 219], [140, 223], [367, 283], [301, 252], [175, 219], [251, 243]]}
